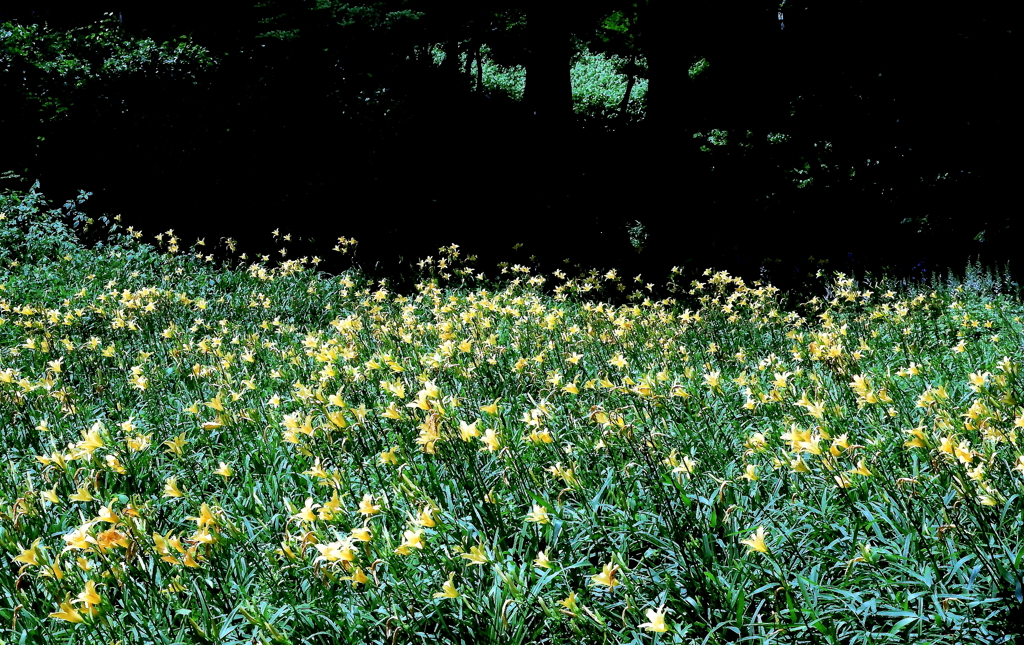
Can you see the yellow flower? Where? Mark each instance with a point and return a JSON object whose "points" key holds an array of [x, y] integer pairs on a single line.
{"points": [[539, 436], [686, 466], [964, 453], [491, 441], [171, 488], [363, 534], [83, 495], [389, 456], [861, 469], [839, 444], [798, 465], [205, 518], [713, 379], [449, 588], [426, 517], [920, 439], [114, 464], [30, 555], [476, 555], [79, 539], [413, 540], [91, 440], [67, 612], [542, 560], [306, 514], [1020, 462], [110, 538], [492, 408], [175, 445], [392, 412], [339, 551], [657, 620], [618, 361], [89, 597], [331, 508], [606, 577], [860, 385], [570, 603], [224, 471], [751, 473], [756, 442], [357, 578], [52, 571], [139, 443], [367, 507], [468, 430], [215, 403], [977, 473], [539, 515], [756, 541]]}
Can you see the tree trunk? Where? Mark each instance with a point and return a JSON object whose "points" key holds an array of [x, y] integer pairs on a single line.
{"points": [[651, 18], [451, 57], [548, 109], [548, 91], [631, 80], [471, 50], [479, 71], [666, 114]]}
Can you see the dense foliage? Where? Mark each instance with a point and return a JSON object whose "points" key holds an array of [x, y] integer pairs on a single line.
{"points": [[253, 451]]}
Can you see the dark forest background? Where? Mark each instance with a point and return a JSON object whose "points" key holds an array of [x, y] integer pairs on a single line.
{"points": [[868, 135]]}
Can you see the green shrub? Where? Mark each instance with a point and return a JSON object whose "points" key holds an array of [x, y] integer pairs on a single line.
{"points": [[30, 231]]}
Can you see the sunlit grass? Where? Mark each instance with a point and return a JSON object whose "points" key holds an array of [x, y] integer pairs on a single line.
{"points": [[597, 83], [199, 453]]}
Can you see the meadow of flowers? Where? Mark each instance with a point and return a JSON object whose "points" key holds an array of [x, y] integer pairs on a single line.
{"points": [[203, 452]]}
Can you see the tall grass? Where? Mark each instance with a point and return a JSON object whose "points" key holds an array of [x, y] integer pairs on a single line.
{"points": [[249, 452]]}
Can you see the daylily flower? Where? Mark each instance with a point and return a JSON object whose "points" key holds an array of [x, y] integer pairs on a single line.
{"points": [[367, 507], [539, 514], [224, 471], [569, 603], [476, 555], [67, 612], [656, 618], [607, 577], [756, 541], [171, 488], [31, 555], [449, 588]]}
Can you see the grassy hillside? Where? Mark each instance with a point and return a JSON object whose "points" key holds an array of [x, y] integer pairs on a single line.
{"points": [[253, 452]]}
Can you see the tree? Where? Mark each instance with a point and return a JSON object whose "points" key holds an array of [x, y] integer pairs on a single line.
{"points": [[56, 75]]}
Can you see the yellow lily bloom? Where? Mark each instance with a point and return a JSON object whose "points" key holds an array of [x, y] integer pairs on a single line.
{"points": [[476, 555], [67, 612], [756, 541], [171, 488], [607, 577], [656, 618], [449, 590], [539, 514]]}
